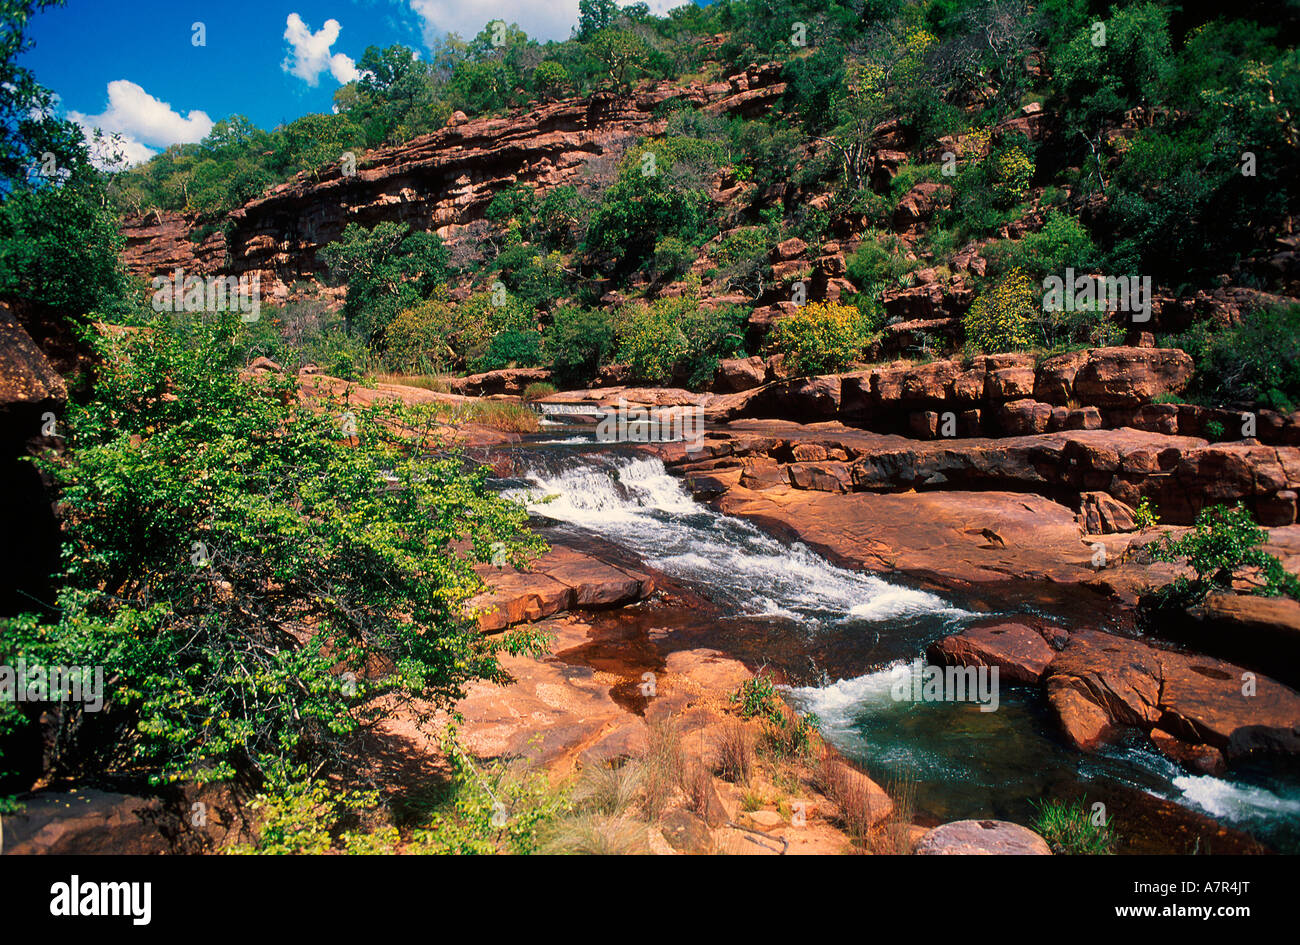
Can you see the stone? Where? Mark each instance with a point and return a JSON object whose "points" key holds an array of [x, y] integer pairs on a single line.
{"points": [[738, 374], [1123, 377], [85, 821], [982, 837], [1020, 652]]}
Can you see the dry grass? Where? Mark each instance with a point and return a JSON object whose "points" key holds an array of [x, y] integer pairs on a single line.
{"points": [[438, 383], [598, 835], [736, 754], [501, 415], [698, 785], [858, 807], [608, 789], [664, 766], [893, 835]]}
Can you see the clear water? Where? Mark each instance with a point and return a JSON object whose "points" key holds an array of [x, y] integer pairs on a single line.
{"points": [[836, 635]]}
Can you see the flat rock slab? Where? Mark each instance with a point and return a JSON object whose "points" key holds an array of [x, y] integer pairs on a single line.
{"points": [[1020, 652], [982, 838], [958, 538]]}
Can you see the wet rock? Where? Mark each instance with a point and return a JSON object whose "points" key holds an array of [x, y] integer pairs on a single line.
{"points": [[1020, 652], [1199, 699], [1201, 759]]}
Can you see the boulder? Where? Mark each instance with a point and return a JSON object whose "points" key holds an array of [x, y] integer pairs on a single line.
{"points": [[27, 378], [1101, 682], [737, 374], [1099, 514], [982, 837], [918, 204], [1125, 377], [1024, 417], [1020, 652], [511, 381]]}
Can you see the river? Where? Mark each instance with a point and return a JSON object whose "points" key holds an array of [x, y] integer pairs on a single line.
{"points": [[835, 637]]}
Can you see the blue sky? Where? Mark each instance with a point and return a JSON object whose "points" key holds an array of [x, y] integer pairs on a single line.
{"points": [[132, 66]]}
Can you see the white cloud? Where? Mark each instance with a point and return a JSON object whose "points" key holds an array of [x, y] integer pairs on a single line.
{"points": [[309, 53], [142, 120], [540, 19]]}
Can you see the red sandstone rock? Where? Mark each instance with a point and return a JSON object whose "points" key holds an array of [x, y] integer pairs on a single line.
{"points": [[1020, 652]]}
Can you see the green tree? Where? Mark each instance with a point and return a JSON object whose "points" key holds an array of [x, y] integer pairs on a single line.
{"points": [[387, 268]]}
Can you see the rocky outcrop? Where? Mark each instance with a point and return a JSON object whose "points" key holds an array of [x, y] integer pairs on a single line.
{"points": [[561, 579], [1179, 475], [1005, 393], [508, 381], [441, 181]]}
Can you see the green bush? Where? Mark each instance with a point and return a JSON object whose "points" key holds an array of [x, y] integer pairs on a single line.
{"points": [[677, 339], [578, 343], [1221, 548], [999, 319], [387, 269], [1255, 361], [236, 564], [511, 349], [657, 194], [822, 337]]}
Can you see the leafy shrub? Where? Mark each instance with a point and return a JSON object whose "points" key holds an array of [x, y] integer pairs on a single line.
{"points": [[999, 318], [234, 562], [672, 258], [511, 348], [822, 337], [755, 697], [387, 269], [651, 341], [578, 342], [879, 263], [654, 197], [1012, 170], [1062, 242], [1223, 547], [1145, 517], [1256, 361]]}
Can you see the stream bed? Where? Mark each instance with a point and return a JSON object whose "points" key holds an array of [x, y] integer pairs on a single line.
{"points": [[836, 636]]}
